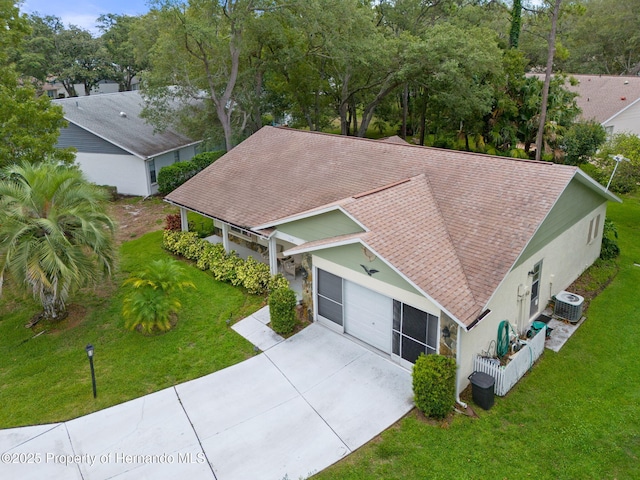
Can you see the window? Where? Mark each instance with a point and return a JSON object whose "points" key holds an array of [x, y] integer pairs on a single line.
{"points": [[152, 170], [176, 156], [594, 226], [240, 232], [414, 332], [330, 296]]}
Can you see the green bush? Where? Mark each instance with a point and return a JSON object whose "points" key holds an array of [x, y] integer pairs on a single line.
{"points": [[609, 248], [434, 384], [172, 176], [226, 267], [282, 308], [204, 159], [154, 296], [254, 276]]}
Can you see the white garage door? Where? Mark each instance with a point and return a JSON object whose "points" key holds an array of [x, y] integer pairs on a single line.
{"points": [[368, 316]]}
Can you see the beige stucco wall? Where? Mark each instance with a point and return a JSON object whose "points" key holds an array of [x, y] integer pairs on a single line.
{"points": [[563, 260]]}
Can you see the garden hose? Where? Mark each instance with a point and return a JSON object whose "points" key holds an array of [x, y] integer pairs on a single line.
{"points": [[502, 345]]}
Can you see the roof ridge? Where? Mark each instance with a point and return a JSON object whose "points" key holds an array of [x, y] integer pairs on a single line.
{"points": [[378, 141], [380, 189], [455, 248]]}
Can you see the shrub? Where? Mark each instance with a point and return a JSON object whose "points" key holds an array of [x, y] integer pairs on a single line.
{"points": [[627, 176], [282, 307], [153, 298], [172, 176], [277, 281], [211, 254], [582, 141], [204, 159], [254, 276], [173, 222], [225, 267], [434, 388], [609, 248]]}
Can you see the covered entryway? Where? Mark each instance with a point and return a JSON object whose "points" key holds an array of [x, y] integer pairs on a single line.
{"points": [[368, 316]]}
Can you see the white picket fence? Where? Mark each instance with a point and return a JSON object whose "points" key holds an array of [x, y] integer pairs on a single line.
{"points": [[507, 376]]}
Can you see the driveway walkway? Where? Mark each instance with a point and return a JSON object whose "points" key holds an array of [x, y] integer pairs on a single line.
{"points": [[290, 411]]}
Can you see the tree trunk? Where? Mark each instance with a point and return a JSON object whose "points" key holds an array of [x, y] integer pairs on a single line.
{"points": [[367, 115], [423, 118], [516, 22], [405, 110], [54, 308], [547, 79]]}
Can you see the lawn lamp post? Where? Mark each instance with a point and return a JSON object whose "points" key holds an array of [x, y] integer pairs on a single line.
{"points": [[89, 349], [618, 158]]}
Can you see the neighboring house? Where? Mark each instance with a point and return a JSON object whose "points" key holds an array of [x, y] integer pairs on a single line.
{"points": [[116, 146], [408, 249], [55, 89], [612, 101]]}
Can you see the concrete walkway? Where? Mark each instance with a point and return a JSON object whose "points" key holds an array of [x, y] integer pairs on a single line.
{"points": [[298, 407]]}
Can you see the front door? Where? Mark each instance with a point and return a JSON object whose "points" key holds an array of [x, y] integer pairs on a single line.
{"points": [[535, 289]]}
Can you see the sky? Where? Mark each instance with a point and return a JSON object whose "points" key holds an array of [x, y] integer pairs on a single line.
{"points": [[83, 13]]}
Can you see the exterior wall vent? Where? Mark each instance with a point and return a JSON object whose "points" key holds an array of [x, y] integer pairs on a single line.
{"points": [[568, 306]]}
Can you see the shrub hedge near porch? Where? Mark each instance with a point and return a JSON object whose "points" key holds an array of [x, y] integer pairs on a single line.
{"points": [[226, 267]]}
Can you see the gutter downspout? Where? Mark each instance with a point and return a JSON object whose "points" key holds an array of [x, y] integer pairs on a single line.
{"points": [[460, 402]]}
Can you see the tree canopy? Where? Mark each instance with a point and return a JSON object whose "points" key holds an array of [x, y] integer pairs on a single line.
{"points": [[442, 72]]}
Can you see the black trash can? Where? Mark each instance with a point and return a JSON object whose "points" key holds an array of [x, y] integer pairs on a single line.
{"points": [[482, 389]]}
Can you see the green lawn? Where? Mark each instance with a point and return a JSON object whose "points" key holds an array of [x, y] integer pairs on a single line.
{"points": [[575, 416], [47, 378]]}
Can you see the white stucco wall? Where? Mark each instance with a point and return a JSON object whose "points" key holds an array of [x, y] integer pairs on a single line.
{"points": [[126, 172], [563, 260], [627, 121]]}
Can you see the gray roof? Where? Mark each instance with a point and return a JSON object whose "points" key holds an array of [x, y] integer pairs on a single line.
{"points": [[115, 117]]}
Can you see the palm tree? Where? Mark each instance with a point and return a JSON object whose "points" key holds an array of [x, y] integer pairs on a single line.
{"points": [[153, 301], [55, 236]]}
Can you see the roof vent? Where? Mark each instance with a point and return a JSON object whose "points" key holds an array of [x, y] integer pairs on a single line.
{"points": [[626, 82], [123, 114], [568, 306]]}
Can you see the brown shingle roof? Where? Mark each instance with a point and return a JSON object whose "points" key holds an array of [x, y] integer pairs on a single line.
{"points": [[600, 97], [452, 222]]}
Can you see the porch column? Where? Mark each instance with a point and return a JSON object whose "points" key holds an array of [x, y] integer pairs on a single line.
{"points": [[225, 237], [273, 256], [184, 223]]}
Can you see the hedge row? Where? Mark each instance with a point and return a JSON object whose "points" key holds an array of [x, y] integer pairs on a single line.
{"points": [[226, 267], [172, 176]]}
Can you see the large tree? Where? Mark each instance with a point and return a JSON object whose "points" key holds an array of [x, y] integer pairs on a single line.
{"points": [[70, 55], [208, 37], [122, 65], [55, 236], [606, 38], [29, 125]]}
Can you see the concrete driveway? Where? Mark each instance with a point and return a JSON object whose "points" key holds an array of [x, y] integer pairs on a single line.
{"points": [[289, 412]]}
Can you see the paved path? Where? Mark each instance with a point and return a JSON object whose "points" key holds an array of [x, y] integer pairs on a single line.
{"points": [[301, 405]]}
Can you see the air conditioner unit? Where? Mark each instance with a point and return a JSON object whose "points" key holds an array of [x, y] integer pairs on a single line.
{"points": [[568, 306]]}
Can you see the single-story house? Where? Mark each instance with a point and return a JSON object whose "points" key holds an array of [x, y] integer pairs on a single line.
{"points": [[611, 100], [406, 249], [116, 146]]}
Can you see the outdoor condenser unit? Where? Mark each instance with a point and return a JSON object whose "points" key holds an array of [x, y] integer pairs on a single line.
{"points": [[568, 306]]}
